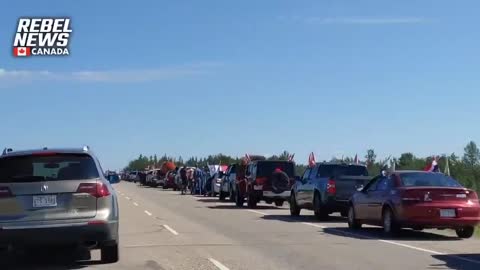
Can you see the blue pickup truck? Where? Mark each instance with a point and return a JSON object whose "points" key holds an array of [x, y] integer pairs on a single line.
{"points": [[327, 187]]}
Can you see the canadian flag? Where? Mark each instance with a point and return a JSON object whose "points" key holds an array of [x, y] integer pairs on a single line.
{"points": [[21, 51]]}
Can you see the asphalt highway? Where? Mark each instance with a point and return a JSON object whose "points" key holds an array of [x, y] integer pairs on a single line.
{"points": [[161, 229]]}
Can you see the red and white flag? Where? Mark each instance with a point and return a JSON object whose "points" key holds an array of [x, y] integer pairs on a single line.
{"points": [[247, 158], [21, 51], [311, 160]]}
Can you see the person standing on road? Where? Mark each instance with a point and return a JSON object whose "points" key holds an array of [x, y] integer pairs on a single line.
{"points": [[183, 178]]}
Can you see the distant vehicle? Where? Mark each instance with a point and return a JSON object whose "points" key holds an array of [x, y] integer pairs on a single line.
{"points": [[112, 177], [170, 180], [228, 182], [216, 183], [133, 176], [266, 180], [417, 200], [57, 197], [327, 188]]}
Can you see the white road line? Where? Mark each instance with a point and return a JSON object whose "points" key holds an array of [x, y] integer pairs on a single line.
{"points": [[134, 203], [258, 212], [394, 243], [128, 198], [314, 225], [148, 213], [170, 229], [218, 264]]}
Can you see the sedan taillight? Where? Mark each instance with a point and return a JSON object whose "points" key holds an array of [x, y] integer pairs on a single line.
{"points": [[97, 190]]}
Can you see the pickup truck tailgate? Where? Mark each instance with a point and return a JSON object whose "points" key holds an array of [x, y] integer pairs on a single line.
{"points": [[347, 185]]}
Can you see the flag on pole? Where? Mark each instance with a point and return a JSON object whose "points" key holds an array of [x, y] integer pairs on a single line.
{"points": [[447, 168], [247, 158], [432, 167], [355, 160], [311, 160]]}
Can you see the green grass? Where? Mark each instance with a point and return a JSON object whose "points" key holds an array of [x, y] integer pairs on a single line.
{"points": [[477, 232]]}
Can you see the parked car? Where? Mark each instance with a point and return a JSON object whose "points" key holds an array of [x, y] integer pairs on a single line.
{"points": [[170, 180], [327, 188], [417, 200], [216, 184], [266, 180], [228, 182], [112, 177], [57, 197], [133, 176], [155, 178]]}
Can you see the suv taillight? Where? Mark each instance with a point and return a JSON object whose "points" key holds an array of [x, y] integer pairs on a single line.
{"points": [[97, 190], [5, 192], [331, 188], [261, 180]]}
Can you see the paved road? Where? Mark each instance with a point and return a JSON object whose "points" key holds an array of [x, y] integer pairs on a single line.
{"points": [[161, 230]]}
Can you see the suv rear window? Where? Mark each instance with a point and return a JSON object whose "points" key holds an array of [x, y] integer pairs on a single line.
{"points": [[335, 170], [267, 168], [427, 180], [33, 168]]}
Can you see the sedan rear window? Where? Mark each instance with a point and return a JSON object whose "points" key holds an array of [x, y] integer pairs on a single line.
{"points": [[267, 168], [52, 167], [418, 179]]}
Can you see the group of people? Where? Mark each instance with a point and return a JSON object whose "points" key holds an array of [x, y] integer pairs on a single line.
{"points": [[194, 179]]}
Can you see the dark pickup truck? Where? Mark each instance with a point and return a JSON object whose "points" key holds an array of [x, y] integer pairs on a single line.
{"points": [[327, 188]]}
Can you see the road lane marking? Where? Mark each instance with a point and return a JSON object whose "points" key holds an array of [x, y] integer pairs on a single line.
{"points": [[170, 229], [393, 243], [134, 203], [314, 225], [148, 213], [128, 198], [218, 264], [258, 212]]}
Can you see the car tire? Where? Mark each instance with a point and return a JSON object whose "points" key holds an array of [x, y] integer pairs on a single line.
{"points": [[279, 203], [294, 208], [165, 186], [353, 222], [109, 254], [465, 232], [390, 226], [221, 196], [239, 200], [318, 208]]}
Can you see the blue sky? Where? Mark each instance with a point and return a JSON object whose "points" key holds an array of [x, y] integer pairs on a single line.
{"points": [[199, 77]]}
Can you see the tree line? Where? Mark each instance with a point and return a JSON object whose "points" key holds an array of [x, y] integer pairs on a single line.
{"points": [[465, 168]]}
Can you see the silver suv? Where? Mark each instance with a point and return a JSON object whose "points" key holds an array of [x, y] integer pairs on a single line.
{"points": [[57, 197]]}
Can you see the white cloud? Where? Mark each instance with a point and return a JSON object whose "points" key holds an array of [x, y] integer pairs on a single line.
{"points": [[360, 20], [109, 76]]}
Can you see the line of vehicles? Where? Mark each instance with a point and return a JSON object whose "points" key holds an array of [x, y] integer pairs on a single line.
{"points": [[394, 199]]}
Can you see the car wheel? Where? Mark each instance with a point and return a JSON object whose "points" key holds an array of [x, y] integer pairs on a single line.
{"points": [[109, 254], [294, 208], [318, 210], [239, 200], [353, 223], [465, 232], [390, 226], [279, 203]]}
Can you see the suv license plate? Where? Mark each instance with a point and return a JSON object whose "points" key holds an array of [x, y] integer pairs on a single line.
{"points": [[45, 201], [447, 213], [257, 187]]}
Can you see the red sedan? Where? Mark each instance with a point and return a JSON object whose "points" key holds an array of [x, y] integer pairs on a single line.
{"points": [[417, 200]]}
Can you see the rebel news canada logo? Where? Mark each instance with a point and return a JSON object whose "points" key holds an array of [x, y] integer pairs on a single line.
{"points": [[42, 36]]}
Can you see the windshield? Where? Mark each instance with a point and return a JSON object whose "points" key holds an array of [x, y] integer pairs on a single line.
{"points": [[427, 180], [338, 170], [47, 168]]}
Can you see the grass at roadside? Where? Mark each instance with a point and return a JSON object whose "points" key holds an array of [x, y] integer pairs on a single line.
{"points": [[477, 232]]}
